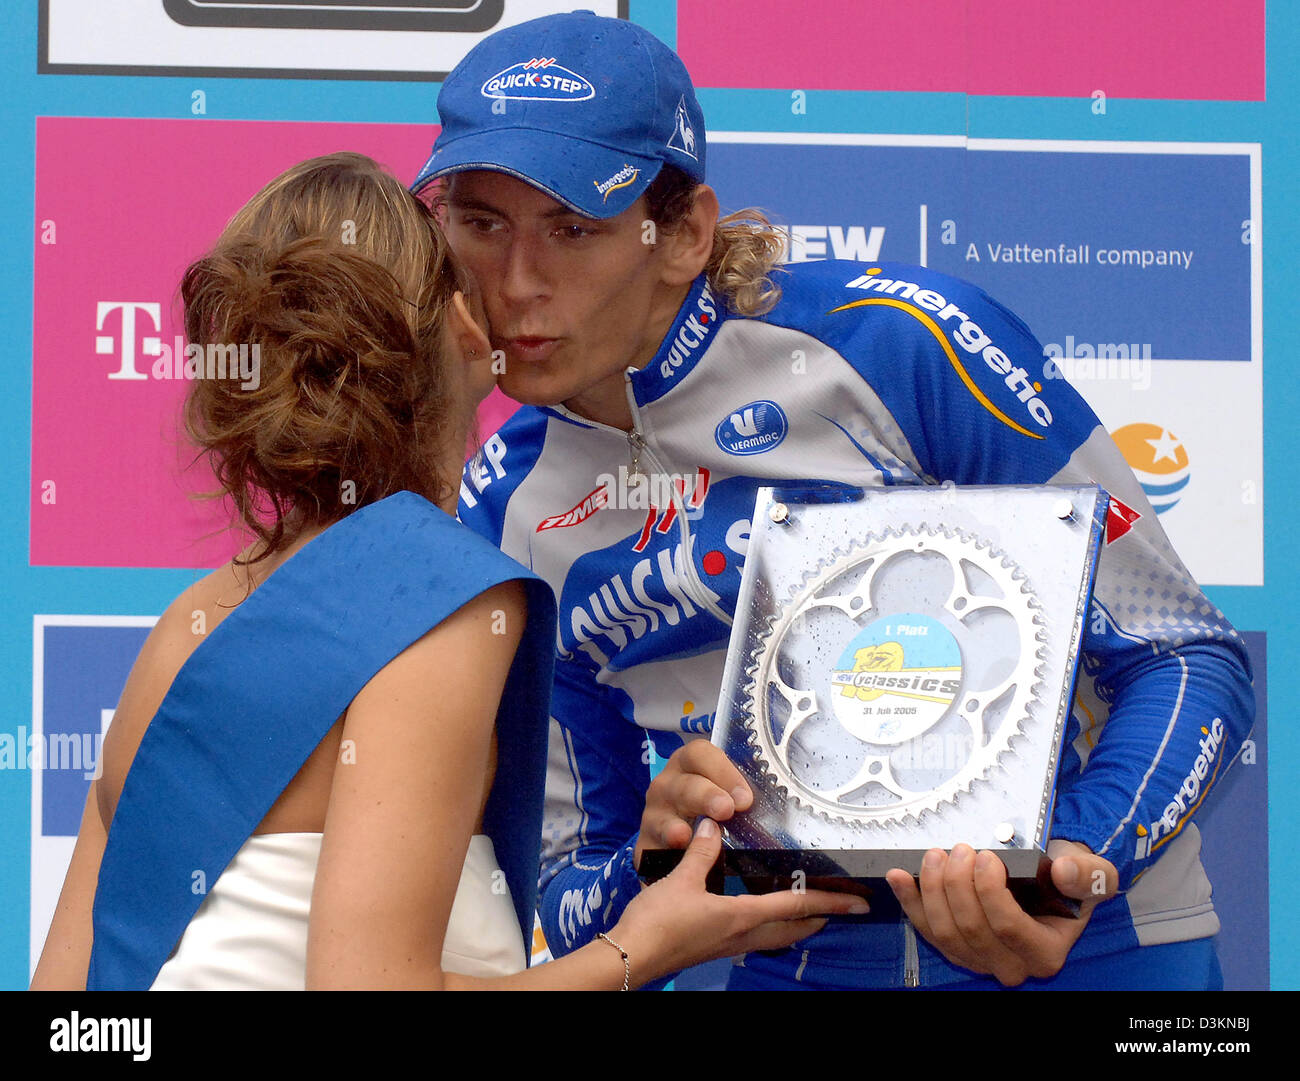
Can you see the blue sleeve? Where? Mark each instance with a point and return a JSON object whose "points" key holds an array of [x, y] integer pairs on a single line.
{"points": [[597, 777], [1179, 711]]}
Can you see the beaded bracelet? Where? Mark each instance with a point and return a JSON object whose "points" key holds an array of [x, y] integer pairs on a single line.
{"points": [[627, 966]]}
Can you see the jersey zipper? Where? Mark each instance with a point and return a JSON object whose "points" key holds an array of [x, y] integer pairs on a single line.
{"points": [[911, 959], [638, 447]]}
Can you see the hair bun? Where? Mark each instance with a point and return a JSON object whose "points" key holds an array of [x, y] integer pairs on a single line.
{"points": [[348, 396]]}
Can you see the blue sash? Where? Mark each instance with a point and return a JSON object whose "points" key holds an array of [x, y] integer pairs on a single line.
{"points": [[259, 694]]}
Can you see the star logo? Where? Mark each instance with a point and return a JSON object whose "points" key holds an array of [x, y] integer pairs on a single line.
{"points": [[1165, 446]]}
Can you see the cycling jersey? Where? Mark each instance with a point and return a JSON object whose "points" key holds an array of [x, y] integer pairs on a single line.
{"points": [[867, 375]]}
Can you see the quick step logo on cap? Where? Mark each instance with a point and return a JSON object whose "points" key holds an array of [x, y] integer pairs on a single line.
{"points": [[538, 79]]}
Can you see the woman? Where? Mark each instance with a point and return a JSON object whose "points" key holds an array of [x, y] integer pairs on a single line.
{"points": [[326, 766]]}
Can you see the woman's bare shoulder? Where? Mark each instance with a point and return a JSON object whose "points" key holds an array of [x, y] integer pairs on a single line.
{"points": [[180, 630]]}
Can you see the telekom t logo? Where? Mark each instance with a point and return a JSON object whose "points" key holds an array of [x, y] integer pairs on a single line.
{"points": [[150, 346]]}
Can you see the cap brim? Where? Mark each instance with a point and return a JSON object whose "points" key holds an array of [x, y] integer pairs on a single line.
{"points": [[589, 178]]}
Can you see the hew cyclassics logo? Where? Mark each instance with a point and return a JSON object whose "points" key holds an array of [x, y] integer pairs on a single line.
{"points": [[896, 678]]}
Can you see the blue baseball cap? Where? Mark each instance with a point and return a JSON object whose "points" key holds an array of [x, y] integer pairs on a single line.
{"points": [[584, 108]]}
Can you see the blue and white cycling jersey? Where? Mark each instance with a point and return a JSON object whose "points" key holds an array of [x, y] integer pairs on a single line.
{"points": [[878, 375]]}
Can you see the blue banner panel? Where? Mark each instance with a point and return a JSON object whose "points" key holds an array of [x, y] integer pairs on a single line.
{"points": [[1151, 248], [85, 670]]}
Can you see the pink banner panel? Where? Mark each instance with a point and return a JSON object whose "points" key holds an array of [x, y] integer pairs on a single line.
{"points": [[1201, 50], [122, 207]]}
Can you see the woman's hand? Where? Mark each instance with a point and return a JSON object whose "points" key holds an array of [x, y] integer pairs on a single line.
{"points": [[677, 923]]}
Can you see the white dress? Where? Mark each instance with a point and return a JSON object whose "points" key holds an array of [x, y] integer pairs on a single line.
{"points": [[250, 932]]}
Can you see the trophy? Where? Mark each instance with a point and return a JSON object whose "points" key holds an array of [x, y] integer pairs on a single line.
{"points": [[899, 677]]}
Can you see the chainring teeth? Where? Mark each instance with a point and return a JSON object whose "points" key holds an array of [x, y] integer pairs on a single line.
{"points": [[760, 737]]}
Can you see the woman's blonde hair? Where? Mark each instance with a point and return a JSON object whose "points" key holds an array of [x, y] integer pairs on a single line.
{"points": [[746, 246], [342, 280]]}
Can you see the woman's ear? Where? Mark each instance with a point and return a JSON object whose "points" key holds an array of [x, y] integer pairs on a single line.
{"points": [[685, 251], [470, 338]]}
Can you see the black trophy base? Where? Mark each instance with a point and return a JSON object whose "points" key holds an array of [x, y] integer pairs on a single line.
{"points": [[861, 872]]}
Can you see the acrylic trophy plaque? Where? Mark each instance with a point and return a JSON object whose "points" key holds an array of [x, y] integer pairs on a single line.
{"points": [[899, 677]]}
